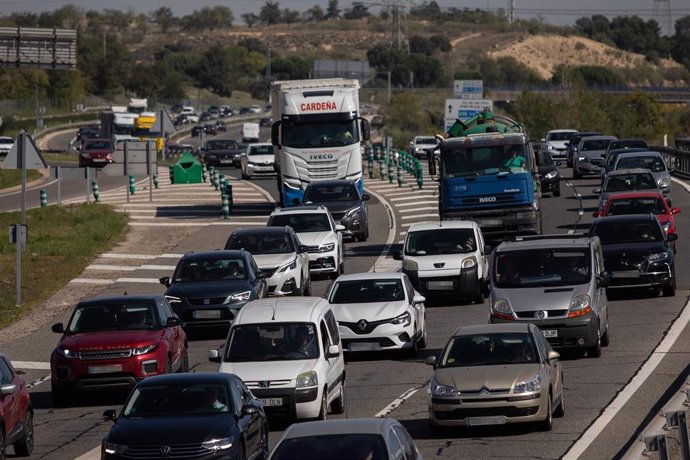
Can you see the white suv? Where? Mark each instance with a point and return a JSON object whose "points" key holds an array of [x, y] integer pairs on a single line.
{"points": [[317, 230], [421, 145], [288, 352]]}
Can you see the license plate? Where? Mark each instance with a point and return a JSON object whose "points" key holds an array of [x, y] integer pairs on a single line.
{"points": [[207, 314], [481, 421], [271, 402], [489, 222], [550, 333], [105, 369], [226, 161], [626, 274], [98, 160], [439, 285], [364, 346]]}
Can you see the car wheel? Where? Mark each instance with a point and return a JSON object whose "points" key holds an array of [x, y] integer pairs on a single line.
{"points": [[241, 455], [670, 291], [341, 268], [595, 350], [560, 410], [323, 413], [244, 176], [2, 443], [61, 398], [422, 339], [338, 406], [25, 446], [547, 424], [576, 173], [605, 340], [557, 190], [412, 351]]}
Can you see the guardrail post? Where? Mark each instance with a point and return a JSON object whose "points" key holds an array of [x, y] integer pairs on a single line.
{"points": [[44, 198], [96, 191]]}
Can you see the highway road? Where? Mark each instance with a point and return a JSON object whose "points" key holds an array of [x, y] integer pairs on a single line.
{"points": [[646, 361]]}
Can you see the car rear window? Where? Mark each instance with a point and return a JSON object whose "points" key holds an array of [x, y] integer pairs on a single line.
{"points": [[629, 182], [652, 162]]}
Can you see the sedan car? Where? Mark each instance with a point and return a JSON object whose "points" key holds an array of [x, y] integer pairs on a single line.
{"points": [[280, 256], [555, 142], [549, 175], [648, 160], [626, 180], [496, 374], [221, 152], [16, 412], [208, 288], [610, 158], [637, 252], [641, 203], [572, 144], [378, 311], [350, 439], [205, 415], [197, 131], [96, 152], [589, 157], [344, 202], [113, 342], [258, 160]]}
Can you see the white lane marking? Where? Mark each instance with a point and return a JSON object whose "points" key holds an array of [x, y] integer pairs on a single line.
{"points": [[414, 203], [647, 369], [31, 365], [118, 268], [397, 402], [420, 215], [403, 233], [168, 224], [93, 454], [91, 281], [391, 231], [159, 211], [420, 208], [158, 267], [117, 255], [681, 183], [138, 280], [414, 196]]}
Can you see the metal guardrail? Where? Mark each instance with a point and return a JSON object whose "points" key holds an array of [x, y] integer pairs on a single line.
{"points": [[677, 159]]}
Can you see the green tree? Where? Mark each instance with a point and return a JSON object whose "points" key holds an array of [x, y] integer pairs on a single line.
{"points": [[67, 86], [290, 68], [406, 118], [164, 17], [251, 19], [270, 13], [290, 16], [680, 50], [315, 14], [332, 10], [358, 11]]}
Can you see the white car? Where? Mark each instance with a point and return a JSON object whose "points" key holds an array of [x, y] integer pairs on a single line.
{"points": [[420, 145], [258, 160], [446, 259], [378, 311], [317, 230], [556, 142], [280, 256], [6, 144], [288, 352]]}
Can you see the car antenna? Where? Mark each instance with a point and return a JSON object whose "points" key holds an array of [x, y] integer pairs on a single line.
{"points": [[275, 306]]}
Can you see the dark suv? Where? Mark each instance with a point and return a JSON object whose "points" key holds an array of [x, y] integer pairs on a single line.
{"points": [[207, 289], [344, 202], [111, 343]]}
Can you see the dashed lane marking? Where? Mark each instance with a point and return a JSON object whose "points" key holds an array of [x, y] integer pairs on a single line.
{"points": [[420, 208], [419, 216], [31, 365], [117, 255], [129, 268], [400, 400]]}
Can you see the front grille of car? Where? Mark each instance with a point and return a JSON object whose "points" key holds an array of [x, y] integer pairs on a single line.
{"points": [[105, 354], [370, 326], [167, 451], [267, 383], [383, 342], [205, 301], [533, 314], [625, 263], [337, 216], [507, 411], [269, 272], [484, 392]]}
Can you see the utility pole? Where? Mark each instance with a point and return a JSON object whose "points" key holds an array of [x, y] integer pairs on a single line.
{"points": [[511, 12]]}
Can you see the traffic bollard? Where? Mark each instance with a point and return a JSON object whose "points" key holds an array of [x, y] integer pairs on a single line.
{"points": [[400, 176], [155, 181], [203, 172], [215, 180], [228, 192], [172, 175], [370, 164], [44, 198], [382, 161], [420, 176], [226, 206], [221, 183], [132, 185], [96, 191], [390, 170]]}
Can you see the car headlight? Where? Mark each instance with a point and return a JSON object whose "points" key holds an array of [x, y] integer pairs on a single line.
{"points": [[218, 444], [410, 265], [528, 386], [664, 182], [351, 213], [667, 226], [112, 448], [307, 379], [443, 391], [172, 299], [581, 158], [502, 306], [405, 319], [249, 163], [469, 262], [326, 247], [580, 305], [245, 295], [67, 353], [549, 147], [145, 349], [551, 175], [656, 257], [291, 266]]}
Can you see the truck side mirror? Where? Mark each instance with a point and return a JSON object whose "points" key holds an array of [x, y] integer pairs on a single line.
{"points": [[275, 133], [432, 165], [366, 130]]}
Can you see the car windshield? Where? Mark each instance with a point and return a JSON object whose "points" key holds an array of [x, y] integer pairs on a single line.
{"points": [[195, 270], [542, 267], [598, 144], [113, 317], [482, 161], [562, 136], [261, 244], [631, 143], [440, 241], [272, 342], [178, 399], [636, 206], [426, 140], [628, 182], [326, 134], [367, 290], [302, 223], [626, 232], [221, 145], [345, 446], [653, 162], [98, 145], [260, 150], [489, 349], [328, 193]]}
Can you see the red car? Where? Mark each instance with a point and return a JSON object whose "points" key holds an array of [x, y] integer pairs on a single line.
{"points": [[111, 343], [16, 412], [641, 203], [96, 152]]}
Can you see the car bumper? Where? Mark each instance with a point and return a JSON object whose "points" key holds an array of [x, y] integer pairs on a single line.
{"points": [[295, 403], [466, 282], [209, 316], [382, 337], [658, 276], [111, 374], [283, 283], [550, 185], [488, 409], [585, 167], [579, 332], [323, 262], [263, 170]]}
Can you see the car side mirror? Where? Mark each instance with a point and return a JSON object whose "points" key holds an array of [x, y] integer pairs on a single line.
{"points": [[302, 248], [675, 211], [366, 197], [542, 140], [487, 250], [431, 360], [58, 328], [553, 355], [249, 409], [672, 237], [8, 389], [214, 356], [417, 299], [165, 281], [333, 351], [603, 280], [397, 255], [172, 321], [596, 191], [339, 228], [110, 415]]}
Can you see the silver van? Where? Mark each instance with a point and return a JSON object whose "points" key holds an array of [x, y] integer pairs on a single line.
{"points": [[557, 282]]}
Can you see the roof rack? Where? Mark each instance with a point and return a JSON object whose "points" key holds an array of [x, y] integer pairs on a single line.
{"points": [[563, 236]]}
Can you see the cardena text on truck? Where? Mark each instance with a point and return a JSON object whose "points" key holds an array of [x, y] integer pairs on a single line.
{"points": [[317, 133], [487, 172]]}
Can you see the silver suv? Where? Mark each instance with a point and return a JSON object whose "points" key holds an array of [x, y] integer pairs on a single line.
{"points": [[557, 282]]}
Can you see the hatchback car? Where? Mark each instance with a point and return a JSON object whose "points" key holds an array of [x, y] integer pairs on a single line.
{"points": [[641, 203], [626, 180], [549, 175], [648, 160], [556, 141], [96, 152], [589, 159], [16, 412], [637, 252], [572, 143], [205, 415], [208, 288], [280, 256], [496, 374], [258, 160], [344, 202], [317, 230], [378, 311], [351, 439], [113, 342], [610, 158], [422, 146]]}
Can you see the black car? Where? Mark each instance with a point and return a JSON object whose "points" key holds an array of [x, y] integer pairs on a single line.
{"points": [[205, 116], [573, 142], [222, 152], [181, 119], [207, 289], [265, 121], [197, 131], [549, 175], [209, 415], [221, 126], [344, 202], [211, 129], [637, 252], [88, 132]]}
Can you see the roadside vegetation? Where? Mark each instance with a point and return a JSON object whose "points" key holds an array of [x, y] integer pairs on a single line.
{"points": [[12, 177], [62, 241]]}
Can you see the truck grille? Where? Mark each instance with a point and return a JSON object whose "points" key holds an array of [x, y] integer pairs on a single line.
{"points": [[105, 354]]}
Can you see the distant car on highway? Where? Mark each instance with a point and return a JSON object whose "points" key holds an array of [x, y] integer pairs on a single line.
{"points": [[420, 146], [626, 180], [265, 121], [258, 160], [344, 202], [96, 152], [88, 132], [16, 412], [549, 174], [571, 145], [610, 159], [221, 152], [111, 343], [197, 131], [648, 160], [6, 144], [555, 143], [589, 159], [211, 129]]}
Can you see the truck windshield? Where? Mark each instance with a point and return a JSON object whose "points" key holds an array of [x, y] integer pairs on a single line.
{"points": [[440, 241], [310, 135], [542, 267], [482, 161]]}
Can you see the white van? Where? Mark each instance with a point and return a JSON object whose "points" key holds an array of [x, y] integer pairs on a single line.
{"points": [[288, 352]]}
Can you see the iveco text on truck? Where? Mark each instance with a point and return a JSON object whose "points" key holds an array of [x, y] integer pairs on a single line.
{"points": [[317, 133]]}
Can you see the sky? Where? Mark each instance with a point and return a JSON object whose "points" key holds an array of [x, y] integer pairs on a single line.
{"points": [[561, 12]]}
